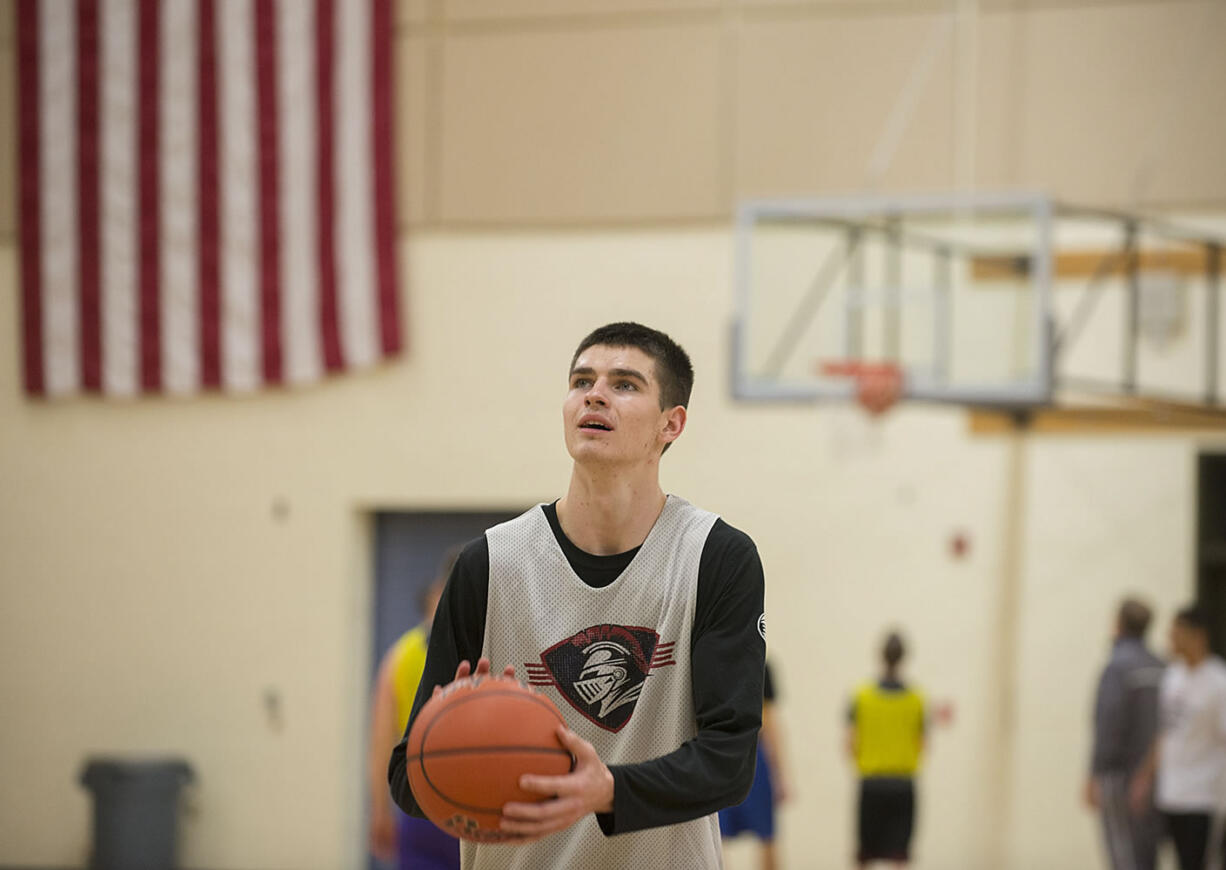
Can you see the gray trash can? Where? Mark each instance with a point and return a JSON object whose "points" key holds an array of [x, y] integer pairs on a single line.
{"points": [[136, 811]]}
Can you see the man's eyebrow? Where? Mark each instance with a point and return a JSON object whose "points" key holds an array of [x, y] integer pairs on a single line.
{"points": [[629, 373], [624, 373]]}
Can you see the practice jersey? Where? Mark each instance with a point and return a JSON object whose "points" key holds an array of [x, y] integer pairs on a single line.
{"points": [[889, 723], [616, 661], [725, 647]]}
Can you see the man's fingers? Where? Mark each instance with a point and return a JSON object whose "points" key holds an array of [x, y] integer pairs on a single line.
{"points": [[547, 785], [465, 668], [540, 819], [542, 811], [579, 748]]}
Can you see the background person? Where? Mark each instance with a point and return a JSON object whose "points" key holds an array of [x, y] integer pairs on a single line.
{"points": [[414, 843], [1188, 759], [885, 738], [756, 814], [1125, 722]]}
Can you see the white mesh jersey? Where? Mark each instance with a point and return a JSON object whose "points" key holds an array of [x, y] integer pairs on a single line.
{"points": [[616, 661]]}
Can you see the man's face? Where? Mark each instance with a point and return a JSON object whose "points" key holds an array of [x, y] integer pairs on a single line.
{"points": [[1189, 643], [612, 409]]}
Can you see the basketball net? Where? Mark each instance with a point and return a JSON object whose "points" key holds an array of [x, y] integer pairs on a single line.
{"points": [[878, 384]]}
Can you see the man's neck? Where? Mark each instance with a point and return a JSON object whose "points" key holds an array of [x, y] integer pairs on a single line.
{"points": [[1196, 659], [609, 511]]}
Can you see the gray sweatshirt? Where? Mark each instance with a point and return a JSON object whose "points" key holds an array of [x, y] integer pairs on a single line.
{"points": [[1126, 708]]}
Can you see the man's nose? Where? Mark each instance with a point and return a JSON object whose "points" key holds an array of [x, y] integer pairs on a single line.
{"points": [[595, 394]]}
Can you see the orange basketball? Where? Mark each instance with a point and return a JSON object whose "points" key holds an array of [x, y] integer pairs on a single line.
{"points": [[469, 746]]}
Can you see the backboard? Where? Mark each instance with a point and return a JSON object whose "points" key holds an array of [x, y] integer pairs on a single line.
{"points": [[894, 279], [1008, 300]]}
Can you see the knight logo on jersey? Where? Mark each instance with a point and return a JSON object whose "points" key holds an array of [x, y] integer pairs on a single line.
{"points": [[601, 670]]}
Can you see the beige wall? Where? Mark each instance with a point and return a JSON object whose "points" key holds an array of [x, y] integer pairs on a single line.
{"points": [[151, 595], [543, 111], [615, 111]]}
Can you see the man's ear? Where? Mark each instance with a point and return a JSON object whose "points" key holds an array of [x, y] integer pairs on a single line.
{"points": [[674, 424]]}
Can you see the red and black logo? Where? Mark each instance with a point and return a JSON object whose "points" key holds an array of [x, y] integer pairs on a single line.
{"points": [[601, 670]]}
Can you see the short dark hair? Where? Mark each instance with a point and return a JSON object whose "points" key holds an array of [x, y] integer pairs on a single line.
{"points": [[1134, 618], [674, 372], [894, 649], [1195, 617]]}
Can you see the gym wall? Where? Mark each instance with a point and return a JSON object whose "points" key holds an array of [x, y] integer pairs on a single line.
{"points": [[167, 562]]}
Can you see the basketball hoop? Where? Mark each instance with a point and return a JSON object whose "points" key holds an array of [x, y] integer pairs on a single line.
{"points": [[878, 384]]}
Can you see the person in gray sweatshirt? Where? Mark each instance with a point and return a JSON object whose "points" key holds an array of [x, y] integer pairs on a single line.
{"points": [[1125, 723]]}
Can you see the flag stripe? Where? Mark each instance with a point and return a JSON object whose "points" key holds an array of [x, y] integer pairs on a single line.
{"points": [[178, 209], [329, 327], [270, 239], [208, 181], [87, 209], [384, 189], [240, 318], [296, 99], [118, 198], [354, 213], [61, 297], [31, 207], [149, 51]]}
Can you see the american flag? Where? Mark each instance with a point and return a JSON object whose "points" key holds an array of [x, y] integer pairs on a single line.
{"points": [[206, 195]]}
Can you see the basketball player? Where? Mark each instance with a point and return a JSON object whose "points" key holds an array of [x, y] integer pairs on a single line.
{"points": [[885, 738], [1189, 756], [1125, 722], [639, 614], [415, 843]]}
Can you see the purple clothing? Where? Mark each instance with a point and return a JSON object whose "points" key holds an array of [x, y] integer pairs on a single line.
{"points": [[426, 847]]}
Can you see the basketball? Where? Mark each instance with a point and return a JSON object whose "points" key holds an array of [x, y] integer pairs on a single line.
{"points": [[470, 745]]}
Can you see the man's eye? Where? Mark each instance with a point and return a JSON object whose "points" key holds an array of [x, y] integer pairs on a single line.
{"points": [[626, 385], [581, 382]]}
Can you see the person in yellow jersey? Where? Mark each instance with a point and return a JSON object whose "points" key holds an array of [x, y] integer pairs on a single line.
{"points": [[413, 844], [885, 738]]}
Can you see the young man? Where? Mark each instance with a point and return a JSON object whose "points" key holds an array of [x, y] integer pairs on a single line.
{"points": [[1125, 722], [637, 613], [885, 738], [1190, 753]]}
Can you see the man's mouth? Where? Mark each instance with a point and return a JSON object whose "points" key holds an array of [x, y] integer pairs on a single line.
{"points": [[597, 425]]}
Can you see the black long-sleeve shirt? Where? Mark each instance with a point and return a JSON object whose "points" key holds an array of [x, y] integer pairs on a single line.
{"points": [[707, 773]]}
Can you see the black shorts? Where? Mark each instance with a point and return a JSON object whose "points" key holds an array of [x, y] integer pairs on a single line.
{"points": [[1190, 831], [887, 817]]}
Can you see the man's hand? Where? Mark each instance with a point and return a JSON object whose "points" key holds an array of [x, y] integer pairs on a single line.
{"points": [[780, 789], [483, 670], [586, 789], [1139, 793], [1092, 795]]}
